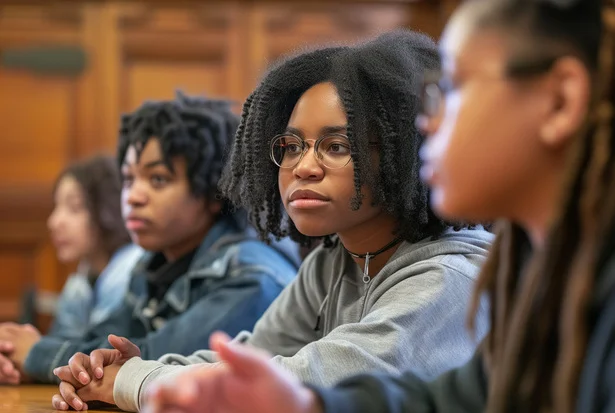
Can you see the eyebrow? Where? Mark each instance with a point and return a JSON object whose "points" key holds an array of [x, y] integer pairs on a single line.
{"points": [[150, 165], [325, 130], [155, 163]]}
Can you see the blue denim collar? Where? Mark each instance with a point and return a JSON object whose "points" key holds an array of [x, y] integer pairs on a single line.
{"points": [[206, 264]]}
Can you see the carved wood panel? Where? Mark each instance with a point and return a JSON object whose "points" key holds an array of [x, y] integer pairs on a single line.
{"points": [[276, 29], [194, 48]]}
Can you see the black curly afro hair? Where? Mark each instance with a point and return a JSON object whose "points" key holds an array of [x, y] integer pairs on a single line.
{"points": [[378, 83], [200, 130]]}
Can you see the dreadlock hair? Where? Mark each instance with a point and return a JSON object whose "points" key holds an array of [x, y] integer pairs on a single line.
{"points": [[200, 130], [541, 321], [377, 82], [100, 184]]}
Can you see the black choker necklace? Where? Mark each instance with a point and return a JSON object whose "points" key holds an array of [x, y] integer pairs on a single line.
{"points": [[369, 255]]}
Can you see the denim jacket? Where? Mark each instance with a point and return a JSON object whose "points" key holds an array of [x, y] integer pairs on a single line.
{"points": [[231, 281], [80, 305]]}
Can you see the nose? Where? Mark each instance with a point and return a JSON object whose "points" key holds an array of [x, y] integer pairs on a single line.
{"points": [[136, 194], [308, 167]]}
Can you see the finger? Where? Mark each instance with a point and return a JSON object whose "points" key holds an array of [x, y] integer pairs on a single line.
{"points": [[101, 358], [58, 402], [195, 387], [30, 327], [151, 408], [183, 393], [243, 360], [64, 373], [7, 367], [9, 329], [93, 393], [79, 365], [68, 393], [6, 346], [13, 378], [9, 324], [125, 346], [171, 394]]}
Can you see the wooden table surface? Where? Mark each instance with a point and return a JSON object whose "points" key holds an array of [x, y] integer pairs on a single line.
{"points": [[31, 399]]}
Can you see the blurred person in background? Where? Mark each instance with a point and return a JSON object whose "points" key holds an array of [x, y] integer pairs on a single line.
{"points": [[87, 228]]}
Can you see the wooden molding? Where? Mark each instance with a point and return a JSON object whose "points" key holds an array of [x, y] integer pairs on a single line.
{"points": [[364, 17], [175, 17], [32, 204], [45, 16]]}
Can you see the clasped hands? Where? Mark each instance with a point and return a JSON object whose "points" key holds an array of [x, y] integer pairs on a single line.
{"points": [[16, 341], [245, 381]]}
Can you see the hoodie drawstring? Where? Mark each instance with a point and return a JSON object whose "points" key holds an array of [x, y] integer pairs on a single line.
{"points": [[324, 302]]}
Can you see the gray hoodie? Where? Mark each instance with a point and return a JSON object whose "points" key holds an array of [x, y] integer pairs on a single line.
{"points": [[328, 324]]}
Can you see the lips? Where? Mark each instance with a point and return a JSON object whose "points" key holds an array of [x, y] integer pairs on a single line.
{"points": [[59, 243], [136, 223], [307, 199], [307, 194]]}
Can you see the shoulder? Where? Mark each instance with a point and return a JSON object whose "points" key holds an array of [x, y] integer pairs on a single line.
{"points": [[76, 285], [283, 254], [454, 253], [128, 254], [237, 255], [121, 264], [322, 257]]}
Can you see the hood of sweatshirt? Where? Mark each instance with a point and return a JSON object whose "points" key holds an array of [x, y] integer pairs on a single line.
{"points": [[455, 256]]}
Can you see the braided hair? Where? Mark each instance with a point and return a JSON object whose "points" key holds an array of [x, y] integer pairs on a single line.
{"points": [[200, 130], [541, 321], [377, 82]]}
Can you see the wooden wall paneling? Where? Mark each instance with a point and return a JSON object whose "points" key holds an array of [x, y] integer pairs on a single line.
{"points": [[39, 114], [426, 17], [190, 46], [36, 139], [95, 86], [27, 259], [46, 23], [16, 253], [100, 84], [278, 29]]}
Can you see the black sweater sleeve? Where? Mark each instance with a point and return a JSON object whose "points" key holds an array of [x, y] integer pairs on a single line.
{"points": [[462, 390]]}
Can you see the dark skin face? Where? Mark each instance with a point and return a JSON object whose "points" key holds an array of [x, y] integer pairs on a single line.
{"points": [[160, 211], [499, 147], [366, 230]]}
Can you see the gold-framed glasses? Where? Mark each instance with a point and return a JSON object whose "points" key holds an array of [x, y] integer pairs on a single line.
{"points": [[332, 150]]}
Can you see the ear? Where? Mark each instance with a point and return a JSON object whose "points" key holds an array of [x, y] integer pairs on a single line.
{"points": [[570, 84]]}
